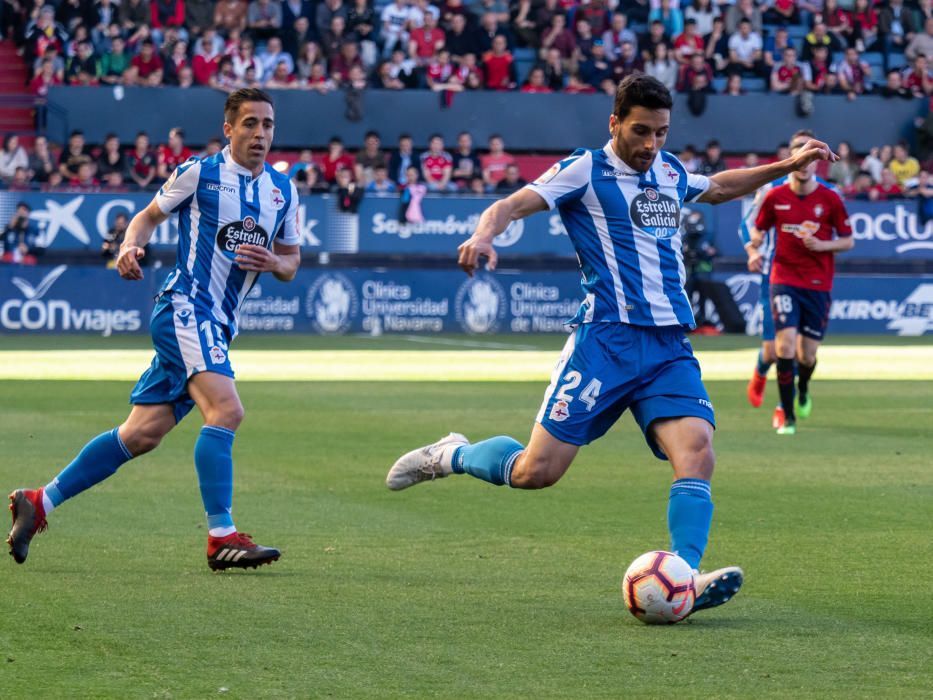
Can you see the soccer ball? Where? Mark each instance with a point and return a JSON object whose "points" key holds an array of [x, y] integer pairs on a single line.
{"points": [[658, 588]]}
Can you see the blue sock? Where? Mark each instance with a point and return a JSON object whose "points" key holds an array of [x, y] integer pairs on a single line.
{"points": [[763, 366], [100, 458], [213, 458], [689, 514], [490, 460]]}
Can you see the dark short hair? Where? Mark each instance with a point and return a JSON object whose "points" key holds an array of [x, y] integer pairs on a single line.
{"points": [[802, 132], [239, 97], [23, 205], [435, 135], [712, 143], [372, 132], [640, 90]]}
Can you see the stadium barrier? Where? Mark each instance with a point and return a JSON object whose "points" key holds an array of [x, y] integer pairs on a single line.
{"points": [[82, 299], [71, 221]]}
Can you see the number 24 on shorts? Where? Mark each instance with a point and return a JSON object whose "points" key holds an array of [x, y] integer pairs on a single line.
{"points": [[589, 394]]}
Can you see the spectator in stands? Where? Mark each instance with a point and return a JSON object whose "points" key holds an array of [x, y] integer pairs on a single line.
{"points": [[894, 86], [860, 188], [788, 76], [207, 55], [745, 51], [51, 53], [844, 170], [838, 22], [895, 28], [167, 14], [628, 63], [662, 67], [425, 41], [175, 63], [43, 32], [133, 14], [669, 16], [495, 162], [45, 78], [489, 29], [335, 158], [903, 166], [230, 15], [437, 166], [395, 18], [224, 79], [654, 36], [887, 188], [688, 43], [141, 162], [476, 186], [347, 193], [560, 38], [361, 23], [818, 37], [864, 21], [199, 16], [734, 86], [74, 154], [370, 157], [584, 37], [554, 72], [85, 179], [922, 42], [212, 148], [876, 161], [244, 59], [346, 59], [12, 156], [273, 55], [42, 166], [305, 161], [536, 82], [597, 14], [403, 158], [20, 238], [380, 182], [470, 74], [820, 70], [111, 160], [460, 39], [385, 79], [617, 33], [335, 36], [917, 78], [702, 12], [309, 55], [774, 46], [637, 10], [854, 75], [783, 12], [264, 19], [512, 182], [147, 65], [743, 9], [84, 61], [114, 63], [172, 154], [325, 13], [403, 69], [712, 161], [921, 189], [716, 45], [466, 163], [688, 158], [596, 68], [696, 76], [296, 36], [113, 239], [499, 66]]}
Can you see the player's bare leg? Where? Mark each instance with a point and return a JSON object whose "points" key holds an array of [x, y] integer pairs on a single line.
{"points": [[217, 399], [688, 444], [806, 363], [785, 344], [100, 458]]}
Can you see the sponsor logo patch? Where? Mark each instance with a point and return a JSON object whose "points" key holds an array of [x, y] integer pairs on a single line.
{"points": [[655, 213], [237, 233]]}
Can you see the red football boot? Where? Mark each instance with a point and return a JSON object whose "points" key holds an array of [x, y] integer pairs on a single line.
{"points": [[756, 388], [238, 551], [28, 521]]}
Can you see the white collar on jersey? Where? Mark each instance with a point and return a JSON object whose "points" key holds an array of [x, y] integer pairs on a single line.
{"points": [[236, 167], [617, 162]]}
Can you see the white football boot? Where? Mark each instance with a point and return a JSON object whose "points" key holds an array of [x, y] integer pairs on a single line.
{"points": [[716, 587], [426, 463]]}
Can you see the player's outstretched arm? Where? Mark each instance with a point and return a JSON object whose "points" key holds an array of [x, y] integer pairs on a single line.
{"points": [[138, 233], [494, 221], [731, 184]]}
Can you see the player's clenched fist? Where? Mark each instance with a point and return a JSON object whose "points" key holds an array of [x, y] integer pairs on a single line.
{"points": [[128, 262], [472, 250]]}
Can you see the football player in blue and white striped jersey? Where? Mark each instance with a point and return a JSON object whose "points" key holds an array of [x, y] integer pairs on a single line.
{"points": [[237, 218], [621, 207]]}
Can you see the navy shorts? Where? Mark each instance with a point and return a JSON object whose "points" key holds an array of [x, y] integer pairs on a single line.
{"points": [[606, 368], [187, 340], [807, 310]]}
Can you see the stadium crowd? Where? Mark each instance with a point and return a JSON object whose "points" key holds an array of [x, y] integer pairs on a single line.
{"points": [[533, 46]]}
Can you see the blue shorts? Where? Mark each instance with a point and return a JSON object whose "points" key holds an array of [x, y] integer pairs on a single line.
{"points": [[606, 368], [807, 310], [764, 308], [187, 340]]}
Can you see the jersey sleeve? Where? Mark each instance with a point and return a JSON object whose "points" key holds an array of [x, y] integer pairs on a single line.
{"points": [[696, 187], [765, 218], [566, 180], [841, 222], [290, 233], [180, 187]]}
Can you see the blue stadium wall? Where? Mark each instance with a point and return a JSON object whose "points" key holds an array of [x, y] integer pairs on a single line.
{"points": [[80, 298], [535, 122]]}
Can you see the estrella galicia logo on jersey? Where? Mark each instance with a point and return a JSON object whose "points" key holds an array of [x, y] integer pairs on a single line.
{"points": [[480, 305], [655, 213], [331, 304], [239, 232]]}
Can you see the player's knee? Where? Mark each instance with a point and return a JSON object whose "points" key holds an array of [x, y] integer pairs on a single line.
{"points": [[535, 473], [696, 459], [228, 414], [139, 441]]}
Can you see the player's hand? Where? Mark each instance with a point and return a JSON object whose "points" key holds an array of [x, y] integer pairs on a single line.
{"points": [[815, 244], [754, 261], [811, 151], [470, 252], [128, 262], [255, 258]]}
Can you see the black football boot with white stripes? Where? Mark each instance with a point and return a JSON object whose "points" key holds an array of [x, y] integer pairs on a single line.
{"points": [[238, 551]]}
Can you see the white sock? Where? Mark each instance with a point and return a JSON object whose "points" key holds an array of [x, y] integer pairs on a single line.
{"points": [[47, 503], [221, 531]]}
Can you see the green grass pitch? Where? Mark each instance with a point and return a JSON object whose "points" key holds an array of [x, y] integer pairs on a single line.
{"points": [[458, 589]]}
